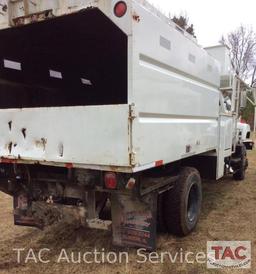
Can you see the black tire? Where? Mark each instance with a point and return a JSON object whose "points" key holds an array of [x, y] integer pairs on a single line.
{"points": [[239, 174], [182, 204]]}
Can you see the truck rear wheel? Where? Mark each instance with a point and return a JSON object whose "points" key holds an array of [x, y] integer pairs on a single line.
{"points": [[182, 204]]}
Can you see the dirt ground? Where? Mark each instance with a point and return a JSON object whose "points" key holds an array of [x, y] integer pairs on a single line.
{"points": [[229, 213]]}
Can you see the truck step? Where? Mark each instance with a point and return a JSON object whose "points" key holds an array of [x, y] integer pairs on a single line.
{"points": [[99, 224]]}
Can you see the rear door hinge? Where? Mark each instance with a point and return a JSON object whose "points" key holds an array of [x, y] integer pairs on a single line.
{"points": [[132, 116], [133, 158], [132, 112]]}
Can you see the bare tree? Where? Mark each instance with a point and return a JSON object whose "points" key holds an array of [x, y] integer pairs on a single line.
{"points": [[3, 6], [253, 83], [242, 43]]}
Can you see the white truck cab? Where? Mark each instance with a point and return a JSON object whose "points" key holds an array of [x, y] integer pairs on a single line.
{"points": [[245, 135]]}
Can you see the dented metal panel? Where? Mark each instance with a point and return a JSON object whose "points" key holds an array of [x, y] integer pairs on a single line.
{"points": [[20, 12], [92, 135], [30, 9]]}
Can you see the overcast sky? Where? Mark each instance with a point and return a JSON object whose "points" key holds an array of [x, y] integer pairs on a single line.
{"points": [[213, 18]]}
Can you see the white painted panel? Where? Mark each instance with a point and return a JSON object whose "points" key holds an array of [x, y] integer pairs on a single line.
{"points": [[55, 74], [86, 82], [12, 64], [185, 54], [226, 125], [175, 93], [84, 135], [63, 7], [167, 139]]}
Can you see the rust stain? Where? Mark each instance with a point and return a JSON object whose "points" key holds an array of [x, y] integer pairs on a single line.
{"points": [[34, 17], [159, 163], [8, 161], [24, 132], [41, 143], [10, 125], [69, 165], [10, 147], [136, 17]]}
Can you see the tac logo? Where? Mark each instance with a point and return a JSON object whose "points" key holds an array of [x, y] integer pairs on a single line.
{"points": [[229, 254]]}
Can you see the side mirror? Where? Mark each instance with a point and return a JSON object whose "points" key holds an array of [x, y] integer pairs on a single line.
{"points": [[228, 103]]}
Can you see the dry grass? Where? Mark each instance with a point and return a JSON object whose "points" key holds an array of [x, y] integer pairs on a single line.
{"points": [[228, 214]]}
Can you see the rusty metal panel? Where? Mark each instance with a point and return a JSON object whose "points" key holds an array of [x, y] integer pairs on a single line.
{"points": [[25, 11], [134, 221], [19, 8]]}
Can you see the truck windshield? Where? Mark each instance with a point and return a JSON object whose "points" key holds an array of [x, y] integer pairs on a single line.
{"points": [[73, 60]]}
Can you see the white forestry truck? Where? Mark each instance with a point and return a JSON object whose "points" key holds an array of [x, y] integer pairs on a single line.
{"points": [[110, 102]]}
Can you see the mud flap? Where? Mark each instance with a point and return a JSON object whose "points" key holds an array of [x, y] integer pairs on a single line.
{"points": [[23, 213], [134, 221]]}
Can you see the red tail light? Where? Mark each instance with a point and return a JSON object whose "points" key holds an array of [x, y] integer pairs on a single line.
{"points": [[110, 180], [120, 9]]}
